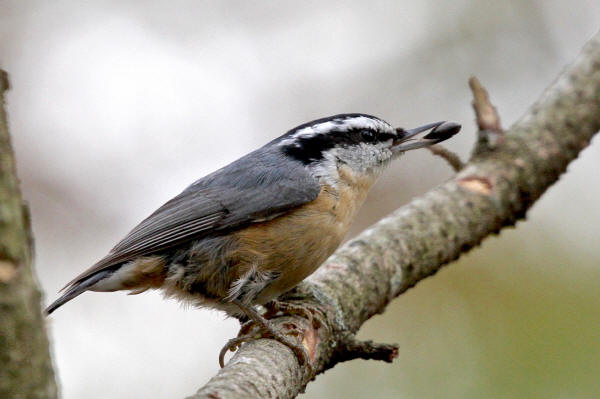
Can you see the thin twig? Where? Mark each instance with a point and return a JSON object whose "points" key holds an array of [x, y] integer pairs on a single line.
{"points": [[351, 348], [486, 114], [452, 158], [490, 135]]}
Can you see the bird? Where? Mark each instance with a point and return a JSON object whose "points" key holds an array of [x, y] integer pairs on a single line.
{"points": [[247, 233]]}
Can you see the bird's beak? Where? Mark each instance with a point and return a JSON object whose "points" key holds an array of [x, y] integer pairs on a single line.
{"points": [[440, 131]]}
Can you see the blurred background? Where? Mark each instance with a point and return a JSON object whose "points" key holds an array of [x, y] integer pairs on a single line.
{"points": [[116, 106]]}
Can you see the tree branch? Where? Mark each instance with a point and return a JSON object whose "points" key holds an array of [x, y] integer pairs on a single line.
{"points": [[494, 189], [25, 364]]}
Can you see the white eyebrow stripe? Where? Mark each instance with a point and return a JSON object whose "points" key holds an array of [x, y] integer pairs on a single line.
{"points": [[340, 125]]}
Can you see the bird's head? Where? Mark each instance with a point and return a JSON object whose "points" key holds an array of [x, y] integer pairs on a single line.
{"points": [[363, 143]]}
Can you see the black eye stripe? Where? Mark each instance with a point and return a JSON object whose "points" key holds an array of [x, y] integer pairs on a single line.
{"points": [[310, 149]]}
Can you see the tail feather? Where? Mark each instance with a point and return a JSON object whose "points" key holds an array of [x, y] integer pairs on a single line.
{"points": [[75, 290]]}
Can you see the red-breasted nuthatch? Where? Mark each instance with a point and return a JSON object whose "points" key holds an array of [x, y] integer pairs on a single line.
{"points": [[255, 228]]}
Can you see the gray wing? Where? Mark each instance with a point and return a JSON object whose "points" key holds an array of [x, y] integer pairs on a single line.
{"points": [[252, 189]]}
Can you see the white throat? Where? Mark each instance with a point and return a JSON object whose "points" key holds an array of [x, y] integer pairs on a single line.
{"points": [[363, 160]]}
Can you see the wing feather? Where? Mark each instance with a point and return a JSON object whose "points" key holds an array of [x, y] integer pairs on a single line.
{"points": [[247, 191]]}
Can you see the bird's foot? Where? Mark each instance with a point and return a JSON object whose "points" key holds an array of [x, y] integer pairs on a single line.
{"points": [[298, 349], [259, 327], [315, 317]]}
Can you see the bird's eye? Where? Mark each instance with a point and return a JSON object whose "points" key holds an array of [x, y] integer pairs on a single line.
{"points": [[368, 135]]}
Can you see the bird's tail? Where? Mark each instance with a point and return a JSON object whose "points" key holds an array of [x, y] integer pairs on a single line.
{"points": [[76, 289]]}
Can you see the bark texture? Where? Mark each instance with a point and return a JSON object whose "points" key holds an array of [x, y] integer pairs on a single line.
{"points": [[25, 364], [506, 174]]}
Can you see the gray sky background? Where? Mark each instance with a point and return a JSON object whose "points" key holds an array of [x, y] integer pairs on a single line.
{"points": [[116, 106]]}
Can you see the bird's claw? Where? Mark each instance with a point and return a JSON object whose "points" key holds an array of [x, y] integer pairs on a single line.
{"points": [[315, 317], [234, 343], [259, 327]]}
